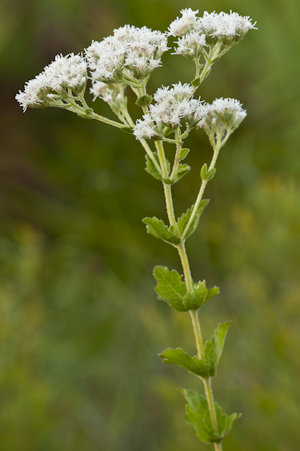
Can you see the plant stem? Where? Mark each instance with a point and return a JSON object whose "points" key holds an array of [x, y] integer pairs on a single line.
{"points": [[201, 192], [188, 279]]}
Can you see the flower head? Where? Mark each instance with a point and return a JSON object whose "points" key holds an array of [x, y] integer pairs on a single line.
{"points": [[228, 28], [65, 72], [195, 32], [173, 106], [130, 52], [222, 117], [181, 26]]}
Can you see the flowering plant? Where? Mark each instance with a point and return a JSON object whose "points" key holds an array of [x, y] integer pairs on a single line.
{"points": [[126, 60]]}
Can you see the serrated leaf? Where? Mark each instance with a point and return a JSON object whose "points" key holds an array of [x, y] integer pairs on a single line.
{"points": [[156, 227], [150, 167], [197, 415], [181, 171], [144, 100], [212, 292], [183, 153], [225, 422], [199, 295], [185, 217], [193, 364], [213, 348], [170, 288]]}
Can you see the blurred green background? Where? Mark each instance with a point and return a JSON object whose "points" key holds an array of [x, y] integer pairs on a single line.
{"points": [[80, 326]]}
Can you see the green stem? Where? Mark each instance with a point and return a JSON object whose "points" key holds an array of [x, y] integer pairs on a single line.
{"points": [[206, 381], [201, 192], [186, 267], [189, 283], [167, 187], [75, 108], [177, 155]]}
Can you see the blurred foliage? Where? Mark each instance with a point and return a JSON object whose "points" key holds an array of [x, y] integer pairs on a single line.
{"points": [[80, 326]]}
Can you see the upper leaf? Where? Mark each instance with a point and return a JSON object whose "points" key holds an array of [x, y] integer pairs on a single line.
{"points": [[213, 348], [170, 288], [151, 168], [183, 153], [185, 217], [193, 364], [181, 171], [158, 228], [199, 296], [196, 82], [144, 100]]}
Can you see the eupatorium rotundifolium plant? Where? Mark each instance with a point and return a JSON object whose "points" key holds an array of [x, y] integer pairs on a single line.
{"points": [[125, 61]]}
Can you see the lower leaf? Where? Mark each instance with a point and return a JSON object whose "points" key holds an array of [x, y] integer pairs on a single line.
{"points": [[198, 416]]}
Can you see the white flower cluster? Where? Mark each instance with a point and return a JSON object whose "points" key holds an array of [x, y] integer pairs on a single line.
{"points": [[172, 105], [133, 52], [64, 72], [196, 32], [222, 117]]}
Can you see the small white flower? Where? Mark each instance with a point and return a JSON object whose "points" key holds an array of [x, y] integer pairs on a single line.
{"points": [[64, 72], [182, 25], [224, 25], [174, 104], [137, 50], [191, 44], [222, 117], [196, 32], [228, 106], [144, 128]]}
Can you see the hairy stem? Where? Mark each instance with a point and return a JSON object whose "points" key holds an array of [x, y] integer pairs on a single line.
{"points": [[189, 281], [201, 192]]}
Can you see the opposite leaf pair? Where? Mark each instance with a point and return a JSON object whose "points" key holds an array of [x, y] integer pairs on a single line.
{"points": [[172, 290], [158, 229], [205, 366]]}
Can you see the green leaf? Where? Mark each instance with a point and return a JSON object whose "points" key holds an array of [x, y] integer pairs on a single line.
{"points": [[184, 219], [197, 415], [206, 176], [199, 296], [181, 171], [128, 130], [210, 174], [158, 228], [203, 172], [85, 115], [150, 167], [193, 364], [196, 82], [183, 153], [225, 422], [213, 348], [144, 101], [170, 288], [212, 292]]}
